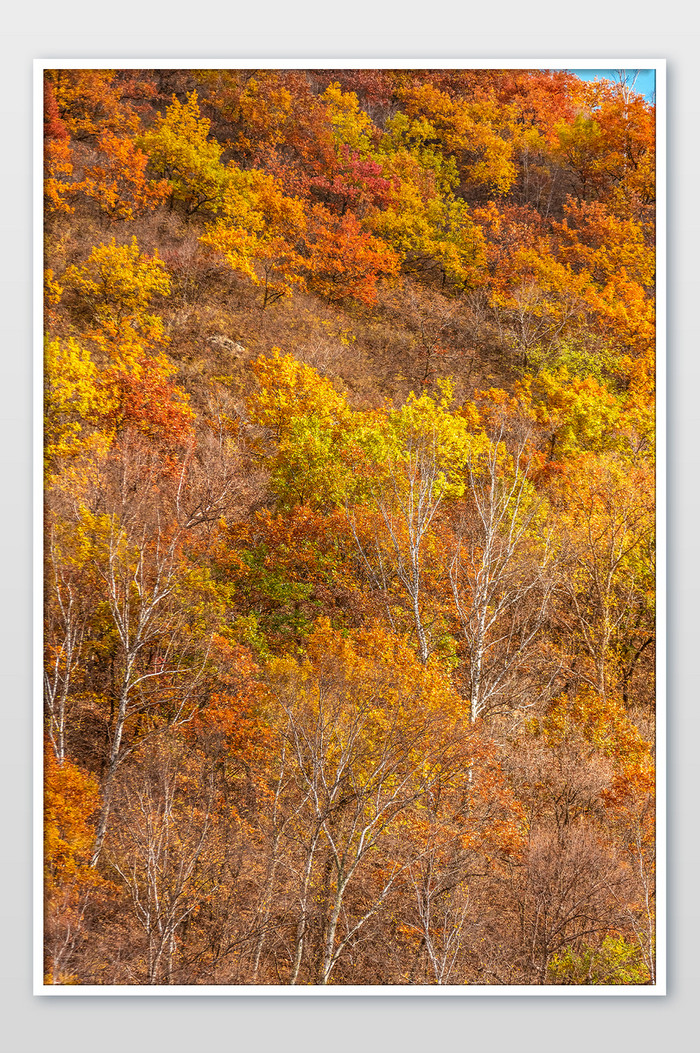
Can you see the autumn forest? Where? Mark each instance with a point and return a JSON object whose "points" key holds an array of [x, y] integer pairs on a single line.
{"points": [[349, 570]]}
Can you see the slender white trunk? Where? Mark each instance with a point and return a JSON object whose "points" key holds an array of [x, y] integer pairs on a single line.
{"points": [[108, 788], [304, 915]]}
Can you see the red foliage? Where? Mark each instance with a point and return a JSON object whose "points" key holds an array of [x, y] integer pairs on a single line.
{"points": [[352, 182], [54, 125], [144, 400]]}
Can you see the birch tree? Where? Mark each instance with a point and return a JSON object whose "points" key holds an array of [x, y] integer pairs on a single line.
{"points": [[155, 668], [414, 462], [65, 626], [367, 736], [502, 575], [159, 851]]}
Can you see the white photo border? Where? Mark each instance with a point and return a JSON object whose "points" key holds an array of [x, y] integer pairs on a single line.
{"points": [[529, 63]]}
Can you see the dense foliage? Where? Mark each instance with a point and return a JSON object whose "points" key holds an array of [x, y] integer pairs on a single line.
{"points": [[349, 545]]}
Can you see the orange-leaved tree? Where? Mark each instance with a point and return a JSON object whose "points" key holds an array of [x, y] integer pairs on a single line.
{"points": [[119, 182], [71, 802]]}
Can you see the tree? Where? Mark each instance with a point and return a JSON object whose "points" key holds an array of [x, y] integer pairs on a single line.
{"points": [[368, 733], [346, 262], [73, 401], [71, 799], [306, 418], [119, 183], [539, 302], [567, 896], [66, 629], [89, 101], [181, 151], [585, 771], [164, 849], [575, 413], [473, 132], [141, 399], [503, 577], [115, 287], [152, 659], [260, 230], [412, 464], [429, 230], [58, 158], [609, 148], [611, 568], [469, 836]]}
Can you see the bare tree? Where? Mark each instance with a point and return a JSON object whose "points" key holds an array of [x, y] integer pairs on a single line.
{"points": [[536, 318], [64, 633], [156, 667], [158, 849], [639, 909], [566, 895], [443, 905], [627, 80]]}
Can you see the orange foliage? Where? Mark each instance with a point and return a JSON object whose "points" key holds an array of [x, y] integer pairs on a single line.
{"points": [[347, 263], [71, 802], [142, 397], [119, 183], [90, 101]]}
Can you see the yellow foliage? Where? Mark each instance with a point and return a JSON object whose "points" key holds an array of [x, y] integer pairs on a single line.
{"points": [[72, 400], [117, 284]]}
